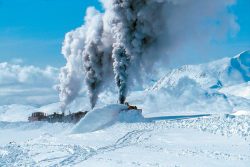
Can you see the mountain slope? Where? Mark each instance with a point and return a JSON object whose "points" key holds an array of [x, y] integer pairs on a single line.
{"points": [[224, 72]]}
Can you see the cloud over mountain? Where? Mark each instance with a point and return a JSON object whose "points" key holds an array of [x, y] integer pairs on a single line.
{"points": [[20, 84]]}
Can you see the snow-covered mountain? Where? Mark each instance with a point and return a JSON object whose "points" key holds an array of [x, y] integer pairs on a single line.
{"points": [[203, 88], [216, 74]]}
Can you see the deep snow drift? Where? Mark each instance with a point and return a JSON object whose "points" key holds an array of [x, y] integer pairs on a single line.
{"points": [[106, 116]]}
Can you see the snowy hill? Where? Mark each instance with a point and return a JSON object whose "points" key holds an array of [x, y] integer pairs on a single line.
{"points": [[240, 90], [15, 112], [216, 74], [203, 88]]}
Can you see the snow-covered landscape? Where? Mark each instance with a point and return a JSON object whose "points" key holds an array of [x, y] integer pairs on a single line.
{"points": [[124, 83], [186, 121]]}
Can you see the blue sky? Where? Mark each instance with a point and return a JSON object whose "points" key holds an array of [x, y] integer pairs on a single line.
{"points": [[33, 30], [242, 12]]}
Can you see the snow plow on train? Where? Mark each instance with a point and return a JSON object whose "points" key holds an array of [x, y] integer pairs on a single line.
{"points": [[132, 108]]}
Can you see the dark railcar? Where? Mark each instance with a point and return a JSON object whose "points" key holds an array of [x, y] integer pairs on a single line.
{"points": [[56, 117], [37, 116]]}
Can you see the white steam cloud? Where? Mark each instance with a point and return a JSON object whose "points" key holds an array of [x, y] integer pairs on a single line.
{"points": [[130, 36], [71, 76], [95, 55]]}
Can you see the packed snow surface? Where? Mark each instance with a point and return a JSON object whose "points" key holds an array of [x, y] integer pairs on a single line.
{"points": [[215, 140]]}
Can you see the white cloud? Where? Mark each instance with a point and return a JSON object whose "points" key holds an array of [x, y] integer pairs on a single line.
{"points": [[26, 75], [31, 85]]}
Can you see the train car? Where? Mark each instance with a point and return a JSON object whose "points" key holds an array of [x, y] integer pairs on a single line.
{"points": [[56, 117], [37, 116]]}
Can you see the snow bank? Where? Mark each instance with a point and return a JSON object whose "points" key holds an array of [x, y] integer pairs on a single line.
{"points": [[106, 116], [241, 113], [26, 126], [15, 112]]}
